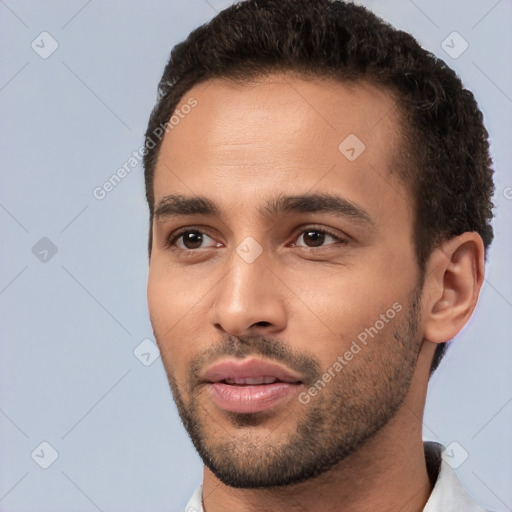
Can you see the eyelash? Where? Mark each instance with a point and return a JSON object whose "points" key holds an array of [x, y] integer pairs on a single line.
{"points": [[175, 236]]}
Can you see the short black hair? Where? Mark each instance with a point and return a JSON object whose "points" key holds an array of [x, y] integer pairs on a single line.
{"points": [[444, 158]]}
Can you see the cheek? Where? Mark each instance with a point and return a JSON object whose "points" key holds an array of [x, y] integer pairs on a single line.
{"points": [[158, 299], [365, 301], [344, 297], [164, 306], [174, 309], [169, 297]]}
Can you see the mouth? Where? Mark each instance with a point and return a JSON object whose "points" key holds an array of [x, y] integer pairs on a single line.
{"points": [[249, 385]]}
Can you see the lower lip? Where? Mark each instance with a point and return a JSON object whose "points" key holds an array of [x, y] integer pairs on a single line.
{"points": [[245, 399]]}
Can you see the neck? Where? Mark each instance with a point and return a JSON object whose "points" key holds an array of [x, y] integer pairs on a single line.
{"points": [[387, 473]]}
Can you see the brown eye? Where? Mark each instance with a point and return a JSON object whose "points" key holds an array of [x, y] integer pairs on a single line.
{"points": [[192, 239], [189, 239], [315, 237]]}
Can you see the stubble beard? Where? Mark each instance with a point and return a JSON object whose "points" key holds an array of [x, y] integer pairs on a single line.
{"points": [[358, 402]]}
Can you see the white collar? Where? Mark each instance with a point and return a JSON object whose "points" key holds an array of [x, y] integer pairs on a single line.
{"points": [[448, 493]]}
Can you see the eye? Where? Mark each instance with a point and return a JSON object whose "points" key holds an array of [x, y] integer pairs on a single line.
{"points": [[189, 239], [315, 237]]}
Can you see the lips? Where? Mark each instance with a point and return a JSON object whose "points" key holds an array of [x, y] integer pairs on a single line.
{"points": [[249, 385], [247, 369], [250, 380]]}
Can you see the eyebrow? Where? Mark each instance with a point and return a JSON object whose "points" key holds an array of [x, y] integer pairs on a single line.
{"points": [[172, 206]]}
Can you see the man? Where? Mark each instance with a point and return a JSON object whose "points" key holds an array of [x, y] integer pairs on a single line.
{"points": [[320, 204]]}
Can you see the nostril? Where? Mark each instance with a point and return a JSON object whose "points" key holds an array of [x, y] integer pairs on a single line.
{"points": [[262, 324]]}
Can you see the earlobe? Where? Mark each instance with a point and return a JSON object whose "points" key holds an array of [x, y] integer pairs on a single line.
{"points": [[453, 279]]}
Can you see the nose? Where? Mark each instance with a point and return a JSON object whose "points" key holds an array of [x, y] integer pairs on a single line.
{"points": [[249, 299]]}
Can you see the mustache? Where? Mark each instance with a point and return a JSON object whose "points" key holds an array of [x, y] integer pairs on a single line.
{"points": [[240, 347]]}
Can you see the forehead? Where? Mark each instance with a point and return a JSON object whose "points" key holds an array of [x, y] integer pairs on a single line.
{"points": [[288, 105], [245, 141]]}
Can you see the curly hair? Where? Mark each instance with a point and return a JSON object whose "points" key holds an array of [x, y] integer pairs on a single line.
{"points": [[443, 158]]}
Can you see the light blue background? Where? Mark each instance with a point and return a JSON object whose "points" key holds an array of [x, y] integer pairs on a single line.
{"points": [[68, 374]]}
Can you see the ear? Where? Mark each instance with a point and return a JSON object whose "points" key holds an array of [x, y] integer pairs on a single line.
{"points": [[453, 279]]}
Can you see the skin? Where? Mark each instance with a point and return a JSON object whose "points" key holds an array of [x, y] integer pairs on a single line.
{"points": [[240, 145]]}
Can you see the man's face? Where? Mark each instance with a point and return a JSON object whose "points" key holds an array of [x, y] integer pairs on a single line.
{"points": [[289, 335]]}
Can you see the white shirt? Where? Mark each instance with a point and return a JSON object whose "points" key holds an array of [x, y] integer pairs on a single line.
{"points": [[448, 495]]}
